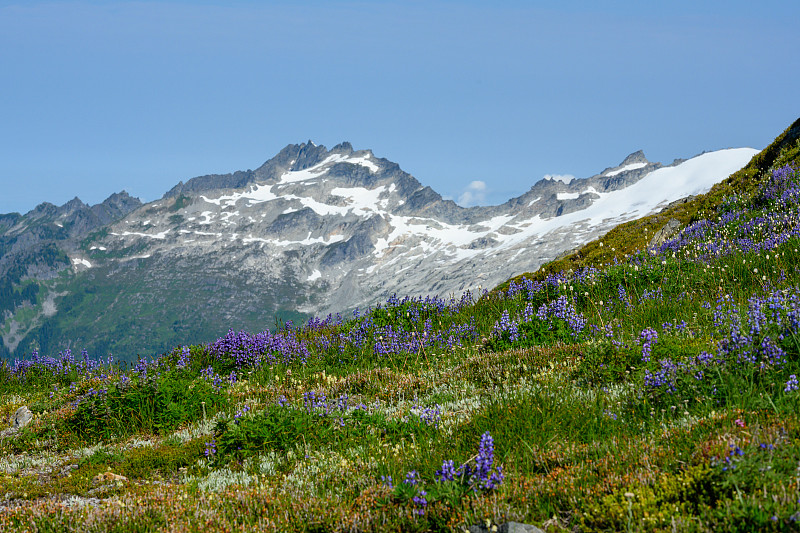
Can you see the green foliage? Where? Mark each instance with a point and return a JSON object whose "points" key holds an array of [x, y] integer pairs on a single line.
{"points": [[692, 491], [281, 429], [164, 460], [100, 457], [604, 363], [533, 333], [396, 317], [275, 428], [155, 405]]}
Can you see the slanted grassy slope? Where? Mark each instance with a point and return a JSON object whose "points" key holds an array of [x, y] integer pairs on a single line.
{"points": [[626, 389], [631, 236]]}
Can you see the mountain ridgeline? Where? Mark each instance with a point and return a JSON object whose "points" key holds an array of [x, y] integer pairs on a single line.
{"points": [[312, 231]]}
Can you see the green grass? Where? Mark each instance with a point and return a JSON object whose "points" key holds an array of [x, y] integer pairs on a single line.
{"points": [[591, 433]]}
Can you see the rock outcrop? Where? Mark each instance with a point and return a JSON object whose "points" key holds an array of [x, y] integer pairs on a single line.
{"points": [[21, 418], [669, 229]]}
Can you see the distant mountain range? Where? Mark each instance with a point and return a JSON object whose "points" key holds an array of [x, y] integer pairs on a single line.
{"points": [[312, 231]]}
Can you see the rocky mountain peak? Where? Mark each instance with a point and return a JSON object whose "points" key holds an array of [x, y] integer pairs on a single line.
{"points": [[635, 157], [122, 200], [342, 148], [115, 206], [44, 209], [632, 167], [73, 205]]}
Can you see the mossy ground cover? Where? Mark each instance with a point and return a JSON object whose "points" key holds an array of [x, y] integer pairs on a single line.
{"points": [[655, 392]]}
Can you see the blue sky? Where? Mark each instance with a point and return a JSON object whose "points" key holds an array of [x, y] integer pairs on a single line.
{"points": [[103, 96]]}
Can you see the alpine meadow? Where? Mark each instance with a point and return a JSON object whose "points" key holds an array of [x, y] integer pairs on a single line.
{"points": [[646, 381]]}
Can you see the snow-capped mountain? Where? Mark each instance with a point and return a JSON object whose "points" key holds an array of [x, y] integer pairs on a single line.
{"points": [[358, 228], [317, 231]]}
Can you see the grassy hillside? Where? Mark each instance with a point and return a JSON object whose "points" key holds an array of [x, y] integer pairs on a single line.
{"points": [[131, 310], [618, 389], [632, 236]]}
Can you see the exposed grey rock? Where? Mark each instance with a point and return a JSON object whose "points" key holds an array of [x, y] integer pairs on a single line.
{"points": [[115, 207], [680, 201], [506, 527], [566, 253], [65, 471], [665, 233], [635, 157], [22, 417], [33, 237]]}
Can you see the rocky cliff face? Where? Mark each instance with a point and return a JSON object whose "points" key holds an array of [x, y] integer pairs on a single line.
{"points": [[23, 237], [317, 231]]}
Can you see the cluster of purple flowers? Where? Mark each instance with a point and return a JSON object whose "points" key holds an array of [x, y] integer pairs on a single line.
{"points": [[622, 296], [782, 190], [483, 476], [393, 340], [729, 461], [745, 340], [210, 375], [412, 478], [431, 416], [562, 308], [652, 295], [506, 326], [740, 229], [314, 402], [185, 358], [649, 337], [211, 448], [318, 403], [680, 327], [239, 414], [246, 350], [664, 377], [420, 502], [767, 321], [88, 395], [412, 332], [61, 366]]}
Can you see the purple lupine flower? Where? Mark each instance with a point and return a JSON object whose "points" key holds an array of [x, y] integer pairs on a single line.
{"points": [[484, 477], [239, 414], [412, 478], [649, 337], [447, 472], [432, 416], [506, 325], [184, 359], [211, 448], [420, 502], [485, 455]]}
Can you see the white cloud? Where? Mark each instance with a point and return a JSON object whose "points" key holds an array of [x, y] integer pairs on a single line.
{"points": [[565, 178], [475, 193]]}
